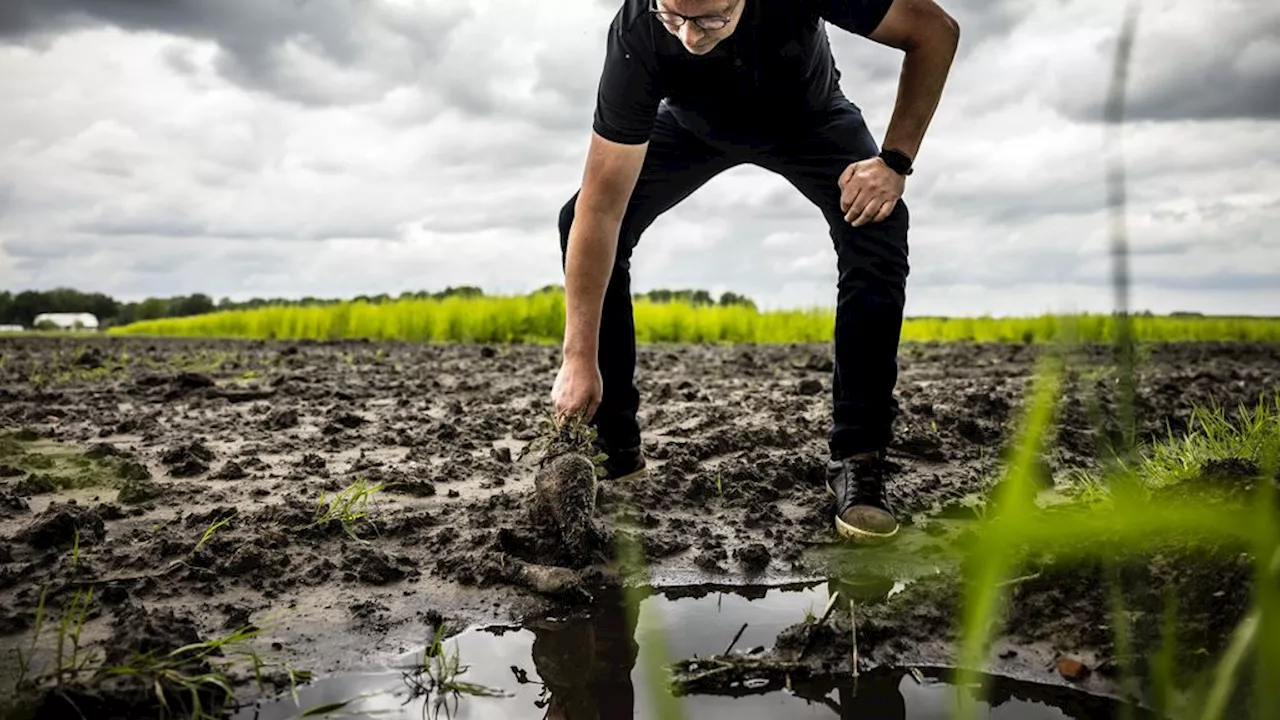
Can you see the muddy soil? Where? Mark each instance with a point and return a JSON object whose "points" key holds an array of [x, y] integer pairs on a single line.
{"points": [[199, 486]]}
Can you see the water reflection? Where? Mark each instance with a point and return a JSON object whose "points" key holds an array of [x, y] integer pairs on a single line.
{"points": [[594, 666], [586, 664]]}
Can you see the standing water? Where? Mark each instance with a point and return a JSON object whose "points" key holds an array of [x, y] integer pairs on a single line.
{"points": [[594, 666]]}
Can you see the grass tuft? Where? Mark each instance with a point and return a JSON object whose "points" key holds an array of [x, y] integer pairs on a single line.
{"points": [[346, 508]]}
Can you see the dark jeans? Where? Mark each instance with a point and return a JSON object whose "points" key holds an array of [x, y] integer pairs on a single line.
{"points": [[871, 262]]}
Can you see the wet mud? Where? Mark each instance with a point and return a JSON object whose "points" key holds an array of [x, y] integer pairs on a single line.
{"points": [[596, 663], [345, 500]]}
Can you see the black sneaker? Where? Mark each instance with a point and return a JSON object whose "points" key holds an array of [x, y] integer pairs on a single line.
{"points": [[862, 513], [623, 464]]}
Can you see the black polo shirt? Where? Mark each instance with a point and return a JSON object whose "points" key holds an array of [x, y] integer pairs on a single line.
{"points": [[771, 74]]}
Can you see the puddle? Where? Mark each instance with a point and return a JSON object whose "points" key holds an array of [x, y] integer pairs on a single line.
{"points": [[588, 666]]}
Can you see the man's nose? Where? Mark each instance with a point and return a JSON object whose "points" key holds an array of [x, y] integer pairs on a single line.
{"points": [[691, 34]]}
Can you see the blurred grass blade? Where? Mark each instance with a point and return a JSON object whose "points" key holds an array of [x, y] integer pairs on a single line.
{"points": [[653, 640], [992, 559], [1119, 235]]}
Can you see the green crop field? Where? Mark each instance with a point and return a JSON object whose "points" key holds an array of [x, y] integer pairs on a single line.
{"points": [[540, 318]]}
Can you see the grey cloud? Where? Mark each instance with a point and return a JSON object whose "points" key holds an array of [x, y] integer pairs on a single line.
{"points": [[46, 249], [391, 45], [155, 265], [1220, 281], [1013, 204], [779, 202], [166, 227], [500, 149], [1226, 68], [179, 60], [538, 219], [163, 222], [1163, 247], [470, 94], [565, 76]]}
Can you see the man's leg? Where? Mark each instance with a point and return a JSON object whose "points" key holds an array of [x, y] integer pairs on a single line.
{"points": [[676, 164], [872, 272]]}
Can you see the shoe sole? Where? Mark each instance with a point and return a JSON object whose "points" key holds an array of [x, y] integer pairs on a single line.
{"points": [[858, 535]]}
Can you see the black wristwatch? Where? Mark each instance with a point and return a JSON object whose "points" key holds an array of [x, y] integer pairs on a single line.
{"points": [[897, 161]]}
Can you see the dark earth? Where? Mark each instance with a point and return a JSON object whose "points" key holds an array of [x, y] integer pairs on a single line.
{"points": [[186, 483]]}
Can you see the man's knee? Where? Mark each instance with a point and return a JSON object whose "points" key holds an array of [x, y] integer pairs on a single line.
{"points": [[875, 254], [628, 235]]}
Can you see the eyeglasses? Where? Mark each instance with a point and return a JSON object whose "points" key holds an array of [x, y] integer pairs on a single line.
{"points": [[675, 19]]}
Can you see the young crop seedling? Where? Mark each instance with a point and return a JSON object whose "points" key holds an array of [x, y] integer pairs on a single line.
{"points": [[438, 673], [572, 435], [347, 507]]}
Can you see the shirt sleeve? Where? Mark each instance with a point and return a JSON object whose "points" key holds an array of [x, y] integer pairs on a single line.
{"points": [[860, 17], [628, 94]]}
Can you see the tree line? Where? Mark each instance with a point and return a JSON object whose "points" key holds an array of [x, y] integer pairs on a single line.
{"points": [[21, 308]]}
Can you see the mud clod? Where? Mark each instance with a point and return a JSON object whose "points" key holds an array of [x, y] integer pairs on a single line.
{"points": [[57, 526], [187, 460], [553, 581], [375, 567], [565, 490], [754, 558], [139, 631], [231, 470], [12, 504], [136, 492], [282, 419]]}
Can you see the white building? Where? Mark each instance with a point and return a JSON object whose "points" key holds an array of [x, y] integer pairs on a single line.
{"points": [[68, 321], [11, 328]]}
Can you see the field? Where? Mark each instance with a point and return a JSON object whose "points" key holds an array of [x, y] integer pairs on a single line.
{"points": [[539, 318], [195, 514]]}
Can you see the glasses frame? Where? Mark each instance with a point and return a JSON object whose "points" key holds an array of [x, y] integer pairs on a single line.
{"points": [[675, 19]]}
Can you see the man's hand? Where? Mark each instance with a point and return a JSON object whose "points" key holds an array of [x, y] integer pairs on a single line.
{"points": [[869, 190], [578, 388]]}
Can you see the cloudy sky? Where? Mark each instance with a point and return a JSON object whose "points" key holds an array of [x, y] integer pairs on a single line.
{"points": [[334, 147]]}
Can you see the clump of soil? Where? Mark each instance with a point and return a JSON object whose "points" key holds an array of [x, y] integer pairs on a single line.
{"points": [[60, 524], [564, 505], [561, 527]]}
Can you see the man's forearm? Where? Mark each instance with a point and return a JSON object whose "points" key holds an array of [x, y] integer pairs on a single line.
{"points": [[588, 265], [925, 67]]}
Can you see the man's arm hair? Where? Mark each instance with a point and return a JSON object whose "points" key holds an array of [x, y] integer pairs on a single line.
{"points": [[608, 179], [929, 37]]}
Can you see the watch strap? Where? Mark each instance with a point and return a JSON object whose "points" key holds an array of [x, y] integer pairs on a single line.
{"points": [[897, 161]]}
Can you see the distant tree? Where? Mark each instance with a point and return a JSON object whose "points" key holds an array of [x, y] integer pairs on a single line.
{"points": [[152, 309], [730, 298], [197, 304], [26, 305], [697, 298], [462, 291]]}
